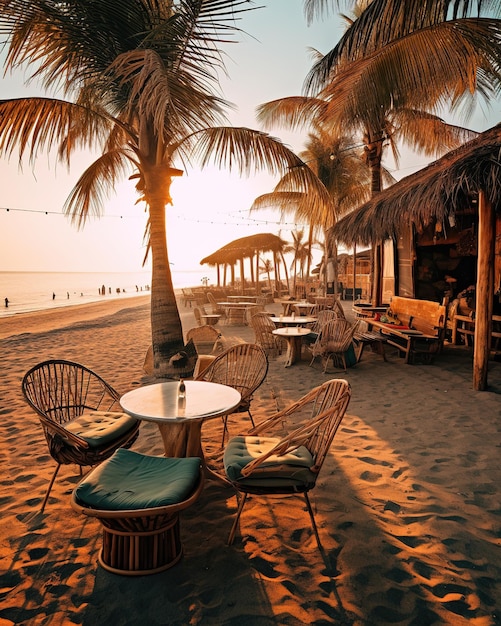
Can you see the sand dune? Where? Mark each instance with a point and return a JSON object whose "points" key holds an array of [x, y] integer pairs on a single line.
{"points": [[408, 503]]}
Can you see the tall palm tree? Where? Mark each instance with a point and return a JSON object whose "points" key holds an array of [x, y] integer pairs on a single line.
{"points": [[336, 162], [398, 66], [136, 80]]}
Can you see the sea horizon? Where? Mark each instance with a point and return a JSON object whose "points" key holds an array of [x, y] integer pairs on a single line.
{"points": [[28, 291]]}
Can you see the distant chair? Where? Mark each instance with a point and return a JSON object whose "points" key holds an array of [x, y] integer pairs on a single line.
{"points": [[188, 297], [263, 328], [266, 462], [323, 316], [79, 413], [244, 367], [337, 307], [207, 339], [333, 343], [197, 312], [215, 308]]}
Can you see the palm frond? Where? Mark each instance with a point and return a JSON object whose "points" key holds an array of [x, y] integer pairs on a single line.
{"points": [[428, 69], [33, 124], [293, 112], [95, 185]]}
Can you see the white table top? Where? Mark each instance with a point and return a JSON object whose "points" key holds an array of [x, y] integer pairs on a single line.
{"points": [[160, 403], [291, 331], [297, 319]]}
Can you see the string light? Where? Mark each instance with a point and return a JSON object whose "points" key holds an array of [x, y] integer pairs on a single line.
{"points": [[191, 220]]}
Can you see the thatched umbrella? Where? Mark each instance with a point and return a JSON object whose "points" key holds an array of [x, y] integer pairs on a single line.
{"points": [[470, 174], [247, 248]]}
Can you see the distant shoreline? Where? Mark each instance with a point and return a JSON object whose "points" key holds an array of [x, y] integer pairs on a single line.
{"points": [[50, 319]]}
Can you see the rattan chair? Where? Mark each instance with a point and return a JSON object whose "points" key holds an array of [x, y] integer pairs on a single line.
{"points": [[263, 328], [79, 413], [137, 498], [216, 309], [207, 339], [243, 367], [265, 463], [333, 342]]}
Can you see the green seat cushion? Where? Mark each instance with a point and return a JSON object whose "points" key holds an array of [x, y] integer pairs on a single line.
{"points": [[129, 480], [98, 428], [289, 471]]}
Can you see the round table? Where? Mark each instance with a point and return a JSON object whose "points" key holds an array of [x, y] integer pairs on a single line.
{"points": [[293, 320], [294, 337], [180, 420]]}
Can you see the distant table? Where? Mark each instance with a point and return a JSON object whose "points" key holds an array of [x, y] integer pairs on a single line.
{"points": [[294, 337], [210, 318], [180, 422], [236, 311], [304, 307], [293, 320]]}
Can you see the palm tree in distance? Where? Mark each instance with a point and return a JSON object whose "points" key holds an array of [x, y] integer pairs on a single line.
{"points": [[337, 164], [139, 83], [397, 67]]}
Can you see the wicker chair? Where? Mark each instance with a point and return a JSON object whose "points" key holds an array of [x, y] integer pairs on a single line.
{"points": [[263, 328], [207, 339], [334, 340], [243, 367], [264, 463], [79, 413], [215, 308], [137, 498]]}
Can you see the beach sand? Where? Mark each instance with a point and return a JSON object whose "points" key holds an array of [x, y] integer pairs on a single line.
{"points": [[408, 503]]}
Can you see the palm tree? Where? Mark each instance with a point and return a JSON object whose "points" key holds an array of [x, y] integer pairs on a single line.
{"points": [[396, 68], [139, 82], [267, 267], [336, 162]]}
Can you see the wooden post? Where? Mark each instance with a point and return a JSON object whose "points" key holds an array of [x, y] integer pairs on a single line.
{"points": [[484, 292]]}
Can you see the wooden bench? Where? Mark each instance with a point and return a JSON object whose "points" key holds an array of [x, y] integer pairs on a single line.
{"points": [[422, 316]]}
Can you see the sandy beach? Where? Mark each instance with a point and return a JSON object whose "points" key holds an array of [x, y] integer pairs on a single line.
{"points": [[408, 503]]}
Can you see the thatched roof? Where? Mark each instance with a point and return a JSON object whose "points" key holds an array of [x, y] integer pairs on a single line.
{"points": [[244, 248], [440, 189]]}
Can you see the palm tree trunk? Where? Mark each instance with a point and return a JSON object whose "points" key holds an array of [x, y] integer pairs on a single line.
{"points": [[373, 153], [166, 329]]}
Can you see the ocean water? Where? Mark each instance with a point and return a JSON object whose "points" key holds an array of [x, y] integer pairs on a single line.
{"points": [[37, 291]]}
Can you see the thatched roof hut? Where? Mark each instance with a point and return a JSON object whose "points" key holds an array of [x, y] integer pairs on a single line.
{"points": [[436, 191], [245, 248], [469, 176]]}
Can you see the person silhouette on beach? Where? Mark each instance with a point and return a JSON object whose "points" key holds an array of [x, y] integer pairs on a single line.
{"points": [[53, 296], [6, 303]]}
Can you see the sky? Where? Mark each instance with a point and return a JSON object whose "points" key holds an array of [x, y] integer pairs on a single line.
{"points": [[210, 207]]}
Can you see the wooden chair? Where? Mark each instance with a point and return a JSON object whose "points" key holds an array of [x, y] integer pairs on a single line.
{"points": [[265, 463], [79, 413], [137, 498], [207, 339], [244, 367], [334, 340], [263, 328]]}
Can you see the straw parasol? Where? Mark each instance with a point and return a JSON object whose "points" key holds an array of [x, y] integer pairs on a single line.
{"points": [[467, 176], [245, 248]]}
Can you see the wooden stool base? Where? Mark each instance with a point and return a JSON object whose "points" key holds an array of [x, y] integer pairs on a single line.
{"points": [[133, 551]]}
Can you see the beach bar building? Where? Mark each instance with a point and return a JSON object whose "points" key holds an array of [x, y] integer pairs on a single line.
{"points": [[440, 229]]}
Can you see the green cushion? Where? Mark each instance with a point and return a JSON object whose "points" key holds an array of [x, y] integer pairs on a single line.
{"points": [[99, 428], [287, 471], [130, 480]]}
